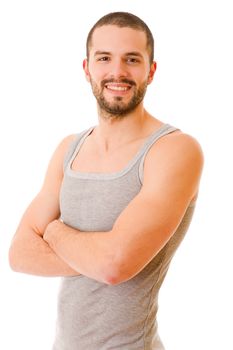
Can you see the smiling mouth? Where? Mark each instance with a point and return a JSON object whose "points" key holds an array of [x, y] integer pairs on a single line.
{"points": [[118, 87]]}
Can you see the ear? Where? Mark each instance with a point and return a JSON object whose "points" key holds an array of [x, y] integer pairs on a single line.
{"points": [[152, 72], [86, 70]]}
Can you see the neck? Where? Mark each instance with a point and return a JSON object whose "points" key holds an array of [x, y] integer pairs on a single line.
{"points": [[114, 131]]}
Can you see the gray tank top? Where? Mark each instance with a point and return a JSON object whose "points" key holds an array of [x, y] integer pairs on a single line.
{"points": [[93, 315]]}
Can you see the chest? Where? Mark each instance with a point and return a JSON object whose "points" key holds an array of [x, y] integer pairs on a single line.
{"points": [[94, 203], [91, 159]]}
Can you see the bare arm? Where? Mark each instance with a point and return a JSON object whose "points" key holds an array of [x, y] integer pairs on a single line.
{"points": [[171, 178], [29, 253]]}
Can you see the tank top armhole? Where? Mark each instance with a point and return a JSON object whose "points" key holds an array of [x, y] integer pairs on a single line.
{"points": [[169, 129], [72, 148]]}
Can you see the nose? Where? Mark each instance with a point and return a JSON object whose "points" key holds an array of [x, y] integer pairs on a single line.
{"points": [[118, 69]]}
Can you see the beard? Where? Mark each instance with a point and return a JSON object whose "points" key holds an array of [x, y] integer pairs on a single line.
{"points": [[118, 108]]}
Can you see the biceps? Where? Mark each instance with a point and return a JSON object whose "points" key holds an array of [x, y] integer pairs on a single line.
{"points": [[143, 228]]}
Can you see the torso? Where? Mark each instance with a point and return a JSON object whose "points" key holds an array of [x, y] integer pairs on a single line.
{"points": [[98, 202], [90, 160]]}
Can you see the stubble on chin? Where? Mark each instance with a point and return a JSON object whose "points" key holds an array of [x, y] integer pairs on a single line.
{"points": [[117, 109]]}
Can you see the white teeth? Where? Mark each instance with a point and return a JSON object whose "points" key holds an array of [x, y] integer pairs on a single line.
{"points": [[117, 88]]}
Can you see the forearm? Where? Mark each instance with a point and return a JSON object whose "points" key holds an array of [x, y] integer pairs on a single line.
{"points": [[32, 255], [91, 253]]}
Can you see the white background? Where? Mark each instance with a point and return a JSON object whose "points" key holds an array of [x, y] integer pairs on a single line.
{"points": [[45, 97]]}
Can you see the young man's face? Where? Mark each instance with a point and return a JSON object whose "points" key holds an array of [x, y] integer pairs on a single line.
{"points": [[118, 68]]}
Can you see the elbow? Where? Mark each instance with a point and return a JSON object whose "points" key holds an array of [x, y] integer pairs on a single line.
{"points": [[119, 269], [117, 274], [109, 274], [13, 259], [111, 279]]}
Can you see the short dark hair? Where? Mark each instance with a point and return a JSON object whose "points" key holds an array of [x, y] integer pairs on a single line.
{"points": [[123, 19]]}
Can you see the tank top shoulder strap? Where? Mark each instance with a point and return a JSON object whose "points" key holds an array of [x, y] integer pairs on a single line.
{"points": [[164, 130], [73, 146]]}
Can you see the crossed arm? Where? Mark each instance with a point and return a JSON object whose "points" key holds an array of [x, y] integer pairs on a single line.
{"points": [[44, 245]]}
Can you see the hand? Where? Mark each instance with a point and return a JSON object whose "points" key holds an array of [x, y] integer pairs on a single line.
{"points": [[52, 230]]}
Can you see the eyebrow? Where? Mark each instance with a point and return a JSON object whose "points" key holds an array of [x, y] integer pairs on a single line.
{"points": [[134, 53], [131, 53], [102, 53]]}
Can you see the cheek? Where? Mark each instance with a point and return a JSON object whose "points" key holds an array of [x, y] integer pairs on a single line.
{"points": [[96, 71], [95, 77], [139, 73]]}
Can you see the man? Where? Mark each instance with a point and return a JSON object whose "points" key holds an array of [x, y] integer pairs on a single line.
{"points": [[116, 202]]}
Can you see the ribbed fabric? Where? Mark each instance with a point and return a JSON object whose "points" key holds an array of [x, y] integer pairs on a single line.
{"points": [[94, 315]]}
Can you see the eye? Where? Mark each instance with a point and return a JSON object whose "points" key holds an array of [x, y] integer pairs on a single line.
{"points": [[132, 60], [104, 59]]}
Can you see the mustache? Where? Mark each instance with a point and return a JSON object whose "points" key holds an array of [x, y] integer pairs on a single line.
{"points": [[125, 80]]}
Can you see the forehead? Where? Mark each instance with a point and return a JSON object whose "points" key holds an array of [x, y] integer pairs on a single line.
{"points": [[115, 39]]}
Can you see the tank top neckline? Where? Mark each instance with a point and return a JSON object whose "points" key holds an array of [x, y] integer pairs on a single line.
{"points": [[112, 175]]}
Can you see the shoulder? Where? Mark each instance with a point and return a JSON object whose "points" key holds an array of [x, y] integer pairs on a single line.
{"points": [[54, 173], [66, 142], [62, 149], [69, 143], [176, 147], [176, 160]]}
